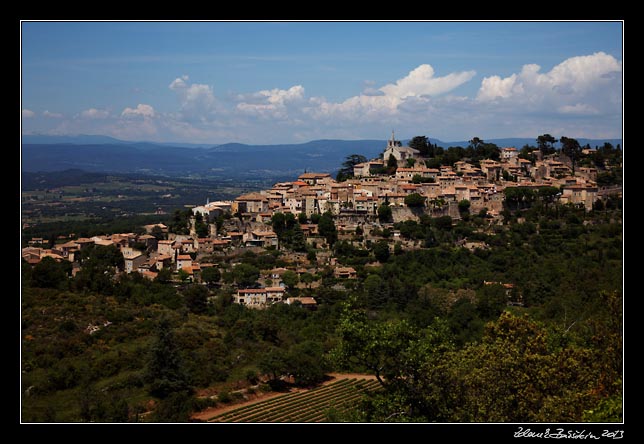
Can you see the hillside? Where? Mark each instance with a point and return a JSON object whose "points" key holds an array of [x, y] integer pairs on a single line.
{"points": [[231, 160]]}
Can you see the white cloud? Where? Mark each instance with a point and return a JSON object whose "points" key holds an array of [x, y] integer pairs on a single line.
{"points": [[197, 100], [421, 82], [271, 103], [179, 82], [27, 113], [51, 115], [494, 87], [579, 97], [141, 110], [582, 85], [93, 113]]}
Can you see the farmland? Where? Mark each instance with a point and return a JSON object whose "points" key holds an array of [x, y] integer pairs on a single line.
{"points": [[304, 406]]}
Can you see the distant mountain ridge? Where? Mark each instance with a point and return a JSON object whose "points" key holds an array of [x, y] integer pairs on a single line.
{"points": [[106, 154]]}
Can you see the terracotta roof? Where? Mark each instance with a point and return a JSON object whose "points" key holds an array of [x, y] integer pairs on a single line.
{"points": [[184, 257], [251, 197], [262, 290], [302, 300], [314, 175]]}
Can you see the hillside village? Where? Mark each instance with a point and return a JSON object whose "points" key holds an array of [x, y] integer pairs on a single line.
{"points": [[399, 180]]}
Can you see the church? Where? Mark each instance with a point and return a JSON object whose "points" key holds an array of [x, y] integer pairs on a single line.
{"points": [[400, 153]]}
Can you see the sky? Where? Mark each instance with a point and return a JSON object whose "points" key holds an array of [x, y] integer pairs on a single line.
{"points": [[292, 82]]}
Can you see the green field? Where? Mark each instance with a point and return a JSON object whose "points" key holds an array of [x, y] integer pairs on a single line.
{"points": [[309, 406]]}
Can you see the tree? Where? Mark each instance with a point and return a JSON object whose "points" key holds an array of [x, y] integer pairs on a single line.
{"points": [[415, 200], [211, 275], [384, 213], [245, 275], [381, 251], [165, 372], [492, 299], [346, 171], [301, 218], [545, 143], [326, 228], [375, 291], [164, 275], [571, 148], [196, 298], [306, 363], [307, 279], [157, 232], [476, 142], [464, 206], [392, 162], [48, 273], [422, 144], [290, 278]]}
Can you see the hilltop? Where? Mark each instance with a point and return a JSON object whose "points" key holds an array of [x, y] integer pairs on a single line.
{"points": [[231, 160]]}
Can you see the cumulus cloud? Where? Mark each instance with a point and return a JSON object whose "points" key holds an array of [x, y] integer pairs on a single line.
{"points": [[197, 100], [141, 110], [51, 115], [94, 113], [179, 83], [270, 102], [27, 113], [582, 85], [579, 97], [421, 82]]}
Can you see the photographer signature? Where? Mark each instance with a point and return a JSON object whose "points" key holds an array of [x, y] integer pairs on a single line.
{"points": [[568, 434]]}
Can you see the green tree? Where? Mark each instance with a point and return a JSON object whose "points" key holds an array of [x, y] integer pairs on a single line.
{"points": [[422, 144], [306, 362], [290, 278], [196, 298], [545, 143], [415, 200], [392, 162], [48, 273], [464, 206], [301, 218], [211, 275], [381, 251], [175, 408], [346, 171], [384, 213], [245, 275], [492, 300], [571, 148], [476, 142], [157, 232], [98, 266], [375, 291], [164, 275], [165, 372], [327, 229], [307, 279]]}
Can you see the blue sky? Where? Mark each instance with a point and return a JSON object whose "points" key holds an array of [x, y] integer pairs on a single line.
{"points": [[289, 82]]}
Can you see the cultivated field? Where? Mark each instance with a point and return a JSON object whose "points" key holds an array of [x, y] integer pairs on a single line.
{"points": [[305, 406]]}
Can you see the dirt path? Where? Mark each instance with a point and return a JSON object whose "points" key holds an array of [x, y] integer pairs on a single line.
{"points": [[205, 415]]}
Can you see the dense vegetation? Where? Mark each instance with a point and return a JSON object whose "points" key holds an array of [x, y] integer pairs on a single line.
{"points": [[540, 342]]}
